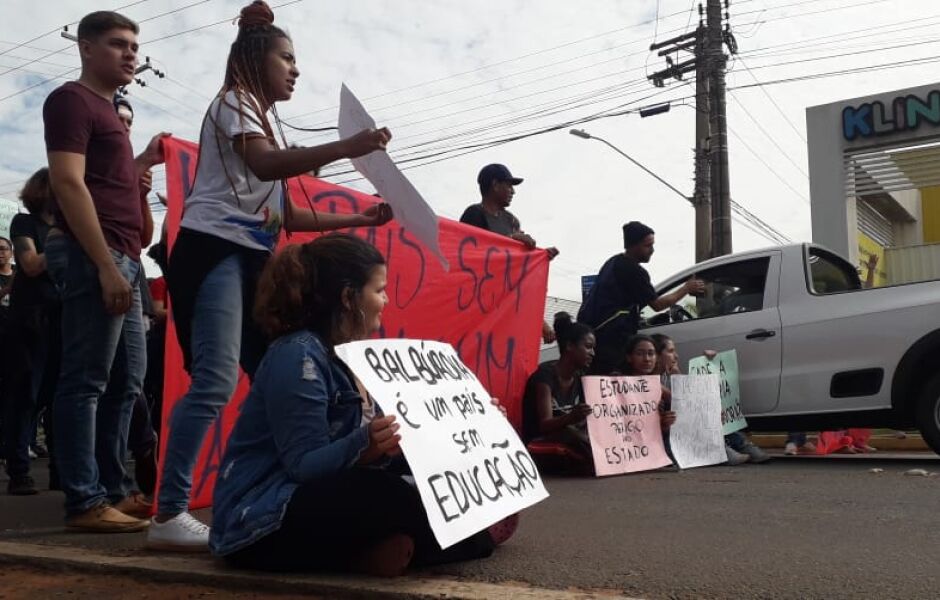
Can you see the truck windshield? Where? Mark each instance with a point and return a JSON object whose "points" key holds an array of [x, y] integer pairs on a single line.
{"points": [[829, 274]]}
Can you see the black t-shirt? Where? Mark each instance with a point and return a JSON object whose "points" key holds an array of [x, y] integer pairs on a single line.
{"points": [[561, 402], [622, 289], [504, 223], [39, 290], [5, 301]]}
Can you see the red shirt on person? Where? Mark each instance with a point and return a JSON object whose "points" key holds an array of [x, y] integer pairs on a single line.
{"points": [[158, 290], [79, 121]]}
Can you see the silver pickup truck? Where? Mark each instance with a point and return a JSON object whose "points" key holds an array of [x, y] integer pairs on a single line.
{"points": [[815, 349]]}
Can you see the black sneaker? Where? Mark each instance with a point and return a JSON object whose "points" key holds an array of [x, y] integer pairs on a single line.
{"points": [[23, 485]]}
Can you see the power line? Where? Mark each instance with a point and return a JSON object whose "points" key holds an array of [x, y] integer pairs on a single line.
{"points": [[57, 29], [772, 101], [201, 27], [501, 62], [773, 141]]}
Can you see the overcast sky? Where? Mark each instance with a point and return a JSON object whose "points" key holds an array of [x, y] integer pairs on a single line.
{"points": [[472, 72]]}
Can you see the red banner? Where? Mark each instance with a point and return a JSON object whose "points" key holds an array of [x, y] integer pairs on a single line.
{"points": [[489, 305]]}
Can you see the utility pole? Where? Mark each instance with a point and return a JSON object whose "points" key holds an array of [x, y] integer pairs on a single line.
{"points": [[712, 198], [718, 124], [694, 42], [703, 191]]}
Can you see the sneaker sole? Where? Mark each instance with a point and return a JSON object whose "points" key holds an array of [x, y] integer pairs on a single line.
{"points": [[177, 548], [125, 529]]}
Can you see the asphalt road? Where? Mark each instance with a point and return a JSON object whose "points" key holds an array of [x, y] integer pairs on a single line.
{"points": [[794, 528]]}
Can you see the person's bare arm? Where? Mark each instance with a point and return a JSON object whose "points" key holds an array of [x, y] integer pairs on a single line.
{"points": [[33, 263], [146, 233], [693, 286], [543, 408], [67, 174], [270, 163], [303, 219], [159, 311]]}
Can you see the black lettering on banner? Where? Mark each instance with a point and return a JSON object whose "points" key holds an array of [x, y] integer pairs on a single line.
{"points": [[493, 364], [516, 286], [186, 171], [402, 237], [424, 372], [462, 304], [352, 203], [487, 275]]}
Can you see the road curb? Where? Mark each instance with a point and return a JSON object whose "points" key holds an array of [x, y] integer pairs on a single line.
{"points": [[206, 571]]}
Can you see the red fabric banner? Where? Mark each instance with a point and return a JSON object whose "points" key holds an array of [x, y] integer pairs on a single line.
{"points": [[489, 306]]}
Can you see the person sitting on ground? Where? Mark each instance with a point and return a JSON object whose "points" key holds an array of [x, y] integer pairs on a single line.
{"points": [[737, 446], [797, 443], [640, 361], [303, 484], [553, 408]]}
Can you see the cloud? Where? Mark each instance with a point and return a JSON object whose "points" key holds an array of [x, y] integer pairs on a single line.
{"points": [[577, 192]]}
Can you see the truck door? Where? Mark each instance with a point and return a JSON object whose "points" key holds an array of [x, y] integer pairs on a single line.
{"points": [[737, 311]]}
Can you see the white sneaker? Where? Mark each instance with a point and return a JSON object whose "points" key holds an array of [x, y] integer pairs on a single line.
{"points": [[790, 449], [757, 455], [182, 533], [736, 458]]}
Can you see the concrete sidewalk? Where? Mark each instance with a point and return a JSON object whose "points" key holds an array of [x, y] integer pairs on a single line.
{"points": [[32, 534]]}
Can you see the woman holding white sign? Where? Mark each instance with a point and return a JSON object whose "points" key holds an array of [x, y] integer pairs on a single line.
{"points": [[306, 481]]}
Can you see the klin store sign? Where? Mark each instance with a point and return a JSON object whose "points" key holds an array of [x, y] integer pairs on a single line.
{"points": [[905, 113]]}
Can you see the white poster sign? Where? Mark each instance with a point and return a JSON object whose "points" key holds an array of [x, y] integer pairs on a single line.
{"points": [[469, 464], [411, 211], [695, 438]]}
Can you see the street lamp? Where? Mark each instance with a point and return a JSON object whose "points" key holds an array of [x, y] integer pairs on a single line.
{"points": [[587, 136]]}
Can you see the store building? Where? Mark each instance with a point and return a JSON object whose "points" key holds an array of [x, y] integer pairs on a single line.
{"points": [[875, 181]]}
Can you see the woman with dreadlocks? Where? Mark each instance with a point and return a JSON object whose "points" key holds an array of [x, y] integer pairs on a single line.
{"points": [[231, 222]]}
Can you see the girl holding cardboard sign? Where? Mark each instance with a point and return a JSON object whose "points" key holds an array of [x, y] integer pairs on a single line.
{"points": [[306, 481]]}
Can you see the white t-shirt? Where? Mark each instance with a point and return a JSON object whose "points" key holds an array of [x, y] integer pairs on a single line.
{"points": [[227, 199]]}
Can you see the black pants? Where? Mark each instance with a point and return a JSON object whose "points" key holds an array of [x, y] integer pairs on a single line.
{"points": [[31, 358], [329, 521]]}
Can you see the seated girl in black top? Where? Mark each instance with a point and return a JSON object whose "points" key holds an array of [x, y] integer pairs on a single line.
{"points": [[553, 408]]}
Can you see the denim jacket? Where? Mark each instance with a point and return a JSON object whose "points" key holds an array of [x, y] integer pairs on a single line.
{"points": [[300, 422]]}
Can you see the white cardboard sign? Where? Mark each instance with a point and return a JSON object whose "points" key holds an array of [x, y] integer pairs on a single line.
{"points": [[695, 438], [411, 210], [469, 464]]}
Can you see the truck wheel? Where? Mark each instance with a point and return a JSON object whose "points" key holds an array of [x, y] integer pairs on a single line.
{"points": [[928, 413]]}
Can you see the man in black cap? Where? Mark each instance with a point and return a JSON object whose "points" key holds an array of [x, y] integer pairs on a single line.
{"points": [[497, 187], [622, 289]]}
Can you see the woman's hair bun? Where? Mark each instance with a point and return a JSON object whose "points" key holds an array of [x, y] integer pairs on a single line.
{"points": [[256, 14], [562, 322]]}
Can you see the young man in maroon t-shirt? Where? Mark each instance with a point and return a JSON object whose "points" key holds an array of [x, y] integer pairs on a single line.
{"points": [[93, 256]]}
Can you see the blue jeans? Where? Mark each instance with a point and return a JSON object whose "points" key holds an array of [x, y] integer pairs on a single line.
{"points": [[217, 350], [737, 441], [100, 352], [796, 437]]}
